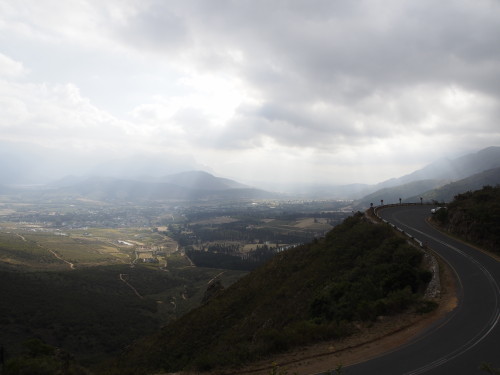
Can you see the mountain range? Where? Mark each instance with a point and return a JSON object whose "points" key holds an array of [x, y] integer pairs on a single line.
{"points": [[440, 181], [185, 186], [453, 169], [446, 193]]}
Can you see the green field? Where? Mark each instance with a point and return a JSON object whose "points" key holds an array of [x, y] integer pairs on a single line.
{"points": [[93, 246]]}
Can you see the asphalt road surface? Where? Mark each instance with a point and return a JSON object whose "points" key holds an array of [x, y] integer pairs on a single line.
{"points": [[469, 335]]}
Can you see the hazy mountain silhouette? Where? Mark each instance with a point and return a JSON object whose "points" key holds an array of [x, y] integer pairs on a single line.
{"points": [[201, 180], [191, 185], [413, 186], [145, 177], [452, 170], [392, 194], [446, 193]]}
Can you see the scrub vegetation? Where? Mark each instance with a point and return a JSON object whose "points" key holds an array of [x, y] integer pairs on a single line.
{"points": [[75, 297], [88, 311], [475, 217], [313, 292]]}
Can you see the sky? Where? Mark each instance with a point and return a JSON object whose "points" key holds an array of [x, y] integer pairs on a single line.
{"points": [[254, 90]]}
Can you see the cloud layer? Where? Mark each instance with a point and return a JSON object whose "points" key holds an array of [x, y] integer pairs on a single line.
{"points": [[334, 91]]}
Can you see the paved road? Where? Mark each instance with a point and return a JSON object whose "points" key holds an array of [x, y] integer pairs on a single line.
{"points": [[466, 337]]}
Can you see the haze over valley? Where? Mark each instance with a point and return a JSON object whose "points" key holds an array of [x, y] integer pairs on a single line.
{"points": [[479, 168], [199, 185]]}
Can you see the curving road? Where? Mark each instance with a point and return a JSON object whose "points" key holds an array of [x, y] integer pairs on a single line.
{"points": [[469, 335]]}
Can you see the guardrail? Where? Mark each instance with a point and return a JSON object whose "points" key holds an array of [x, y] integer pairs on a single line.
{"points": [[434, 286], [375, 212]]}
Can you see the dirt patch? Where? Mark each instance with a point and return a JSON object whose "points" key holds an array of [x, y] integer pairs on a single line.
{"points": [[387, 334]]}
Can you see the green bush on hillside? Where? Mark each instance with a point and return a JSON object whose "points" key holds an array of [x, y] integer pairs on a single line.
{"points": [[310, 293], [474, 216], [383, 280], [42, 359]]}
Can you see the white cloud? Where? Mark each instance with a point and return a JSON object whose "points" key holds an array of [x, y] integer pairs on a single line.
{"points": [[56, 115], [306, 88], [10, 68]]}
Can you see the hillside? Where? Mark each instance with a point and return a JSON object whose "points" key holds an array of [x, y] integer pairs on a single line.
{"points": [[307, 294], [452, 169], [97, 305], [393, 194], [474, 216], [447, 192], [426, 182], [87, 312]]}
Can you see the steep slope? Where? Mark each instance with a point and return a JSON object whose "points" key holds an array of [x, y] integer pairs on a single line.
{"points": [[474, 216], [423, 182], [447, 192], [393, 194], [314, 292], [454, 169]]}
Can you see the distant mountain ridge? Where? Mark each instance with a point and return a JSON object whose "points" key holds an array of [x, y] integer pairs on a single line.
{"points": [[454, 169], [393, 194], [191, 185], [202, 180], [198, 184], [436, 175], [447, 192]]}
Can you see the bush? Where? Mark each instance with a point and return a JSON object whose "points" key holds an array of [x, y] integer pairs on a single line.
{"points": [[42, 359], [306, 294]]}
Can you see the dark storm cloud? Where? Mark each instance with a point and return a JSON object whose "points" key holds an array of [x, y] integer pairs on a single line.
{"points": [[342, 54]]}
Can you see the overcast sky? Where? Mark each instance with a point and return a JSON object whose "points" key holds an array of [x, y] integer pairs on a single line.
{"points": [[254, 90]]}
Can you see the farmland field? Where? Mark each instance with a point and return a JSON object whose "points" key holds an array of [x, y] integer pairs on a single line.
{"points": [[91, 278]]}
